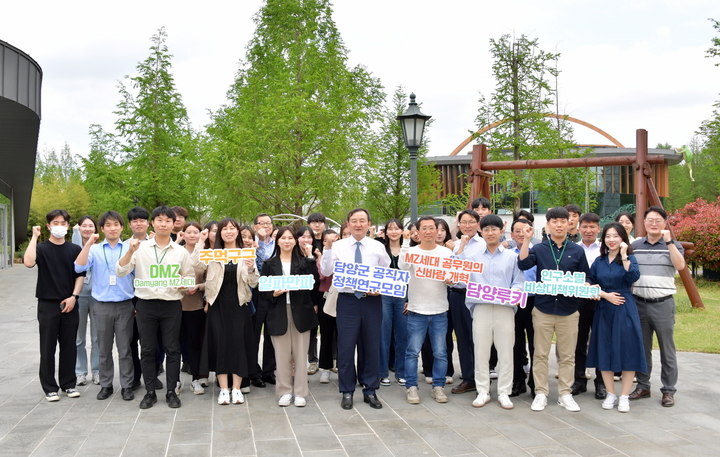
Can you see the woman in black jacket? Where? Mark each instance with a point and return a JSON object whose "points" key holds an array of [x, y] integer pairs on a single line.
{"points": [[291, 316]]}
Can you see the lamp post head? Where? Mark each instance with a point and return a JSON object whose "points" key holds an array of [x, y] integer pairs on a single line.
{"points": [[413, 124]]}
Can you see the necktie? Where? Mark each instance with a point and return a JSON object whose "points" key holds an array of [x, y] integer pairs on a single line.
{"points": [[358, 259]]}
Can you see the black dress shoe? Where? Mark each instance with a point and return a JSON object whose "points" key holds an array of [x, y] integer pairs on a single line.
{"points": [[518, 388], [136, 384], [105, 393], [127, 394], [347, 401], [158, 385], [600, 392], [148, 400], [269, 378], [578, 388], [258, 382], [372, 399], [172, 399]]}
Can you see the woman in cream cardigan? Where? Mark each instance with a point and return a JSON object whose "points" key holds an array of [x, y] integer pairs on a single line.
{"points": [[229, 337]]}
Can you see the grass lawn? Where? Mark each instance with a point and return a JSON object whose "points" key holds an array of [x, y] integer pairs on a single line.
{"points": [[698, 330]]}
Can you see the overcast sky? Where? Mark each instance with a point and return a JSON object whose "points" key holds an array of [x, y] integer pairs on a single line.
{"points": [[624, 64]]}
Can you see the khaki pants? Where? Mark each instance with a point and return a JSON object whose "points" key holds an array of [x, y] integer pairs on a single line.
{"points": [[565, 328], [291, 350]]}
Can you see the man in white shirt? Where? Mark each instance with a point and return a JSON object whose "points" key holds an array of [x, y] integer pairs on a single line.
{"points": [[158, 308], [427, 309], [359, 315], [589, 229]]}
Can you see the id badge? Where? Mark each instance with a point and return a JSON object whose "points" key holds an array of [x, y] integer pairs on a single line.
{"points": [[86, 280], [113, 280]]}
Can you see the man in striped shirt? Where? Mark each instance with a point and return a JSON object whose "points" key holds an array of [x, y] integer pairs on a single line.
{"points": [[659, 257]]}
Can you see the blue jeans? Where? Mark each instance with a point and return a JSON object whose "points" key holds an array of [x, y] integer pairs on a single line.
{"points": [[418, 325], [85, 305], [393, 322]]}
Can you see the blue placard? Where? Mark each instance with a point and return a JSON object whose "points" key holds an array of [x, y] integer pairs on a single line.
{"points": [[362, 278], [291, 282]]}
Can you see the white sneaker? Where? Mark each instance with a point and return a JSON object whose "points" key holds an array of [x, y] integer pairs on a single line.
{"points": [[285, 400], [610, 401], [96, 378], [224, 397], [237, 397], [300, 402], [505, 402], [428, 379], [482, 399], [588, 373], [178, 388], [412, 395], [493, 374], [624, 404], [245, 390], [448, 380], [400, 381], [438, 393], [71, 393], [568, 402], [539, 402], [52, 396], [81, 380], [196, 388], [325, 377], [204, 382], [313, 368], [385, 382], [617, 378]]}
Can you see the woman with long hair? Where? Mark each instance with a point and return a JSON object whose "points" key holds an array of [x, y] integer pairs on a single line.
{"points": [[85, 227], [328, 328], [616, 342], [229, 340], [394, 319], [192, 325], [627, 220], [291, 316], [212, 228]]}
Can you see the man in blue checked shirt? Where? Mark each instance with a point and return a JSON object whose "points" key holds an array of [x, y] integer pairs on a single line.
{"points": [[113, 310], [493, 322]]}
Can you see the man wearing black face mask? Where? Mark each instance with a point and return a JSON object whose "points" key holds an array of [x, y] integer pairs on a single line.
{"points": [[57, 292]]}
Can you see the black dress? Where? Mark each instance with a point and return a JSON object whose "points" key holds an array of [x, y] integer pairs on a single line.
{"points": [[229, 337]]}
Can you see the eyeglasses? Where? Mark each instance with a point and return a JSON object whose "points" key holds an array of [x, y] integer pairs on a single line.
{"points": [[654, 221], [471, 222], [427, 229], [490, 230], [264, 224]]}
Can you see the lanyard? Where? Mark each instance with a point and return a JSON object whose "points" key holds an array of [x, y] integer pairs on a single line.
{"points": [[106, 260], [552, 251], [163, 257]]}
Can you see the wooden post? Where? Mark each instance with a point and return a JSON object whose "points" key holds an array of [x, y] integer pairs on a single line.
{"points": [[640, 165], [486, 181]]}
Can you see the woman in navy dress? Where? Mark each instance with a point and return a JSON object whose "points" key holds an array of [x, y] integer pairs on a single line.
{"points": [[616, 342]]}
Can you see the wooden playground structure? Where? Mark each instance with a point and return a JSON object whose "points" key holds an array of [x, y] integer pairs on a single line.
{"points": [[480, 175]]}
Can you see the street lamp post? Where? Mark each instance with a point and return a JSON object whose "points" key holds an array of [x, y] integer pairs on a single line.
{"points": [[413, 127]]}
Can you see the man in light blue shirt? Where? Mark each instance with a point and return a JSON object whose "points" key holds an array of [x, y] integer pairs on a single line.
{"points": [[113, 310], [493, 319]]}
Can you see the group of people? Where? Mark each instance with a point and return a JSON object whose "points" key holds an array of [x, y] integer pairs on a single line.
{"points": [[215, 323]]}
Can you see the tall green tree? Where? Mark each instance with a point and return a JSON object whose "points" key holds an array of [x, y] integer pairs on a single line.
{"points": [[709, 130], [152, 157], [388, 182], [522, 97], [294, 134], [58, 185]]}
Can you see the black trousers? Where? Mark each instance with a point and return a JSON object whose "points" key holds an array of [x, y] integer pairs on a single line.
{"points": [[328, 339], [462, 323], [57, 329], [166, 316], [358, 324], [193, 327], [587, 314], [259, 328], [524, 332]]}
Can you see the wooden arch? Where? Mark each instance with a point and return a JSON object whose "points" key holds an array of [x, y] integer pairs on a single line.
{"points": [[556, 116], [481, 173]]}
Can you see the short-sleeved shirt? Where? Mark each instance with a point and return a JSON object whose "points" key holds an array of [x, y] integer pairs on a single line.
{"points": [[657, 272], [56, 270]]}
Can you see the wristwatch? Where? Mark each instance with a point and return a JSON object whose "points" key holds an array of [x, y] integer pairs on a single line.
{"points": [[77, 297]]}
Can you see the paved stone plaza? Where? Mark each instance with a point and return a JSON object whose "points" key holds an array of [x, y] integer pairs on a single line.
{"points": [[29, 425]]}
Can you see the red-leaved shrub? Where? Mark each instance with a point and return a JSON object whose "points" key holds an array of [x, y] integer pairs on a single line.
{"points": [[699, 223]]}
